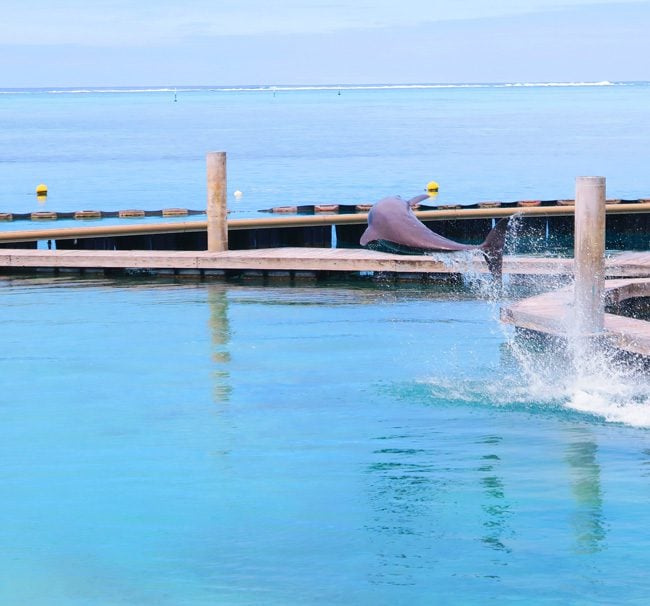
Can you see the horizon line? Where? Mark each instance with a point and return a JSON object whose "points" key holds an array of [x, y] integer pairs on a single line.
{"points": [[310, 86]]}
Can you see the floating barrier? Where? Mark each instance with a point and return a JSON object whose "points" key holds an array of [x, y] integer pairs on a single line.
{"points": [[123, 214], [548, 226], [544, 227], [307, 209], [175, 212], [326, 208], [99, 214], [44, 215], [88, 214], [365, 207]]}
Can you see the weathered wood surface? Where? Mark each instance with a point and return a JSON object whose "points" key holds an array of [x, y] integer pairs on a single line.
{"points": [[628, 264], [217, 224], [310, 259], [552, 313]]}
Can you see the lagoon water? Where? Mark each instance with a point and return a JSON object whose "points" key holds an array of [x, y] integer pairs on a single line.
{"points": [[171, 442], [141, 149]]}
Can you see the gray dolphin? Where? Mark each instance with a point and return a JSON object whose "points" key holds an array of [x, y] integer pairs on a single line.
{"points": [[393, 227]]}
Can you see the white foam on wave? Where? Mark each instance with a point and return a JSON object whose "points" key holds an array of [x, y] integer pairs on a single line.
{"points": [[418, 86], [93, 91], [604, 384], [306, 87], [613, 396], [612, 406], [82, 91], [535, 84]]}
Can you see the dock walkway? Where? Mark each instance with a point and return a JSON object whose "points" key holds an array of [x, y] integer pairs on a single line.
{"points": [[550, 313], [270, 259], [306, 259]]}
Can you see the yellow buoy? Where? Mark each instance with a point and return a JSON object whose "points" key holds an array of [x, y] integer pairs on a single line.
{"points": [[41, 190], [238, 195], [432, 188]]}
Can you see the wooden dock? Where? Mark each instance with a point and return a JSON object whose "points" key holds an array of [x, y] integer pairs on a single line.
{"points": [[551, 314], [306, 259], [273, 259]]}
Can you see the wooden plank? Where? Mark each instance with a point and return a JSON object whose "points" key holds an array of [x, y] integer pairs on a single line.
{"points": [[550, 313], [310, 259]]}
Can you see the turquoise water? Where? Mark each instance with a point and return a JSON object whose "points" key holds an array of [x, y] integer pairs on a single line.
{"points": [[195, 444], [142, 149], [239, 443]]}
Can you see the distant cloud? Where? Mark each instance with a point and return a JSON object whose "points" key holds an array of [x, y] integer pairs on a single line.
{"points": [[118, 42], [115, 22]]}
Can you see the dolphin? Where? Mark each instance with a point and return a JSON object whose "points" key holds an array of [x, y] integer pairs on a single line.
{"points": [[392, 226]]}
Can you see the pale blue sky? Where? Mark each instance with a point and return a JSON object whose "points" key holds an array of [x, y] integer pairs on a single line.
{"points": [[229, 42]]}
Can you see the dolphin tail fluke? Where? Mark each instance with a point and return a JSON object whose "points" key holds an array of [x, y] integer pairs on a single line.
{"points": [[492, 248]]}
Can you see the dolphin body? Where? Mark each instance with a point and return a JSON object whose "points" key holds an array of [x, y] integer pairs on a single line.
{"points": [[391, 222]]}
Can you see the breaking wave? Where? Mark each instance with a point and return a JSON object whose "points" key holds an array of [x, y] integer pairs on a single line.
{"points": [[305, 87]]}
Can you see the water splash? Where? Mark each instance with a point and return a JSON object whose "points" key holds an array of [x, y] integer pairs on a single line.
{"points": [[606, 383], [544, 378], [547, 374], [572, 373], [583, 374], [470, 264]]}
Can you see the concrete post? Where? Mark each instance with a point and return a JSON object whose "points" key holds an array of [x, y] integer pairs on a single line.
{"points": [[589, 259], [217, 212]]}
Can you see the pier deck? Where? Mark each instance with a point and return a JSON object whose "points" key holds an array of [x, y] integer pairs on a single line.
{"points": [[307, 259], [550, 313]]}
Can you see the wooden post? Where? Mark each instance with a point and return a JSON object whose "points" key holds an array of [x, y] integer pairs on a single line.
{"points": [[589, 256], [217, 213]]}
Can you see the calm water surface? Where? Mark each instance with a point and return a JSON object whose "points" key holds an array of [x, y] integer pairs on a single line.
{"points": [[205, 444], [140, 149], [200, 444]]}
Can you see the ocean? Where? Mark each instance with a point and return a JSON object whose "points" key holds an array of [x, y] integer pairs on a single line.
{"points": [[119, 149], [167, 442]]}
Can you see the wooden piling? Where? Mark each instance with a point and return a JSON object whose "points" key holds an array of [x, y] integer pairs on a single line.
{"points": [[589, 261], [216, 210]]}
